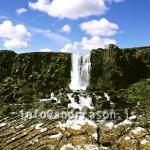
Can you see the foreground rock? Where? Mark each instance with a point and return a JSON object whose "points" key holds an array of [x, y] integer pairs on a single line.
{"points": [[18, 134], [49, 124]]}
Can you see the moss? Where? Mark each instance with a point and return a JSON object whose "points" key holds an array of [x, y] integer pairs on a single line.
{"points": [[5, 110], [138, 92], [44, 107]]}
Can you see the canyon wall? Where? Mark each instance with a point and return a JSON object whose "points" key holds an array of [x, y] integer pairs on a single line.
{"points": [[116, 68], [31, 76]]}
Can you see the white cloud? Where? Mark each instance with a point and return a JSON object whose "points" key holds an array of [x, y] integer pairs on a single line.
{"points": [[51, 35], [21, 11], [88, 44], [70, 47], [96, 42], [72, 9], [101, 27], [66, 28], [45, 50], [14, 36]]}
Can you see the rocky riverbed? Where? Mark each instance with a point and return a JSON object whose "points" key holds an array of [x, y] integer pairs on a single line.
{"points": [[75, 121]]}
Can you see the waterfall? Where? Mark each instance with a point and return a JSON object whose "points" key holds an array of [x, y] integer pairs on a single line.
{"points": [[80, 74]]}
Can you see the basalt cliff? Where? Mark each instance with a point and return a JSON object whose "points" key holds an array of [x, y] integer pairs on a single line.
{"points": [[31, 76], [36, 75]]}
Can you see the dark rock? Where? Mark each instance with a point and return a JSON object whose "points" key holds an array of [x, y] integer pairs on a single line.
{"points": [[33, 75], [37, 74], [116, 68]]}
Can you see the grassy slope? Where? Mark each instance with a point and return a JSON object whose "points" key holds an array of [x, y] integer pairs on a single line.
{"points": [[139, 91]]}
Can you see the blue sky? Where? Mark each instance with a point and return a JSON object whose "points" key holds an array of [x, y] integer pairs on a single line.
{"points": [[73, 25]]}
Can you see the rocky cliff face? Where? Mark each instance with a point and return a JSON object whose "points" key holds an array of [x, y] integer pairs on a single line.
{"points": [[32, 75], [6, 63], [116, 68]]}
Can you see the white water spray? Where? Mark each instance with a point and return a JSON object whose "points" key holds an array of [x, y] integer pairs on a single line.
{"points": [[80, 74]]}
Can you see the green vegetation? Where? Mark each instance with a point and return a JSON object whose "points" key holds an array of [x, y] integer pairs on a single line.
{"points": [[138, 92], [5, 110]]}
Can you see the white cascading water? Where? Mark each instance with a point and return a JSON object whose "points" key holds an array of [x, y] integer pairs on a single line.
{"points": [[80, 74]]}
